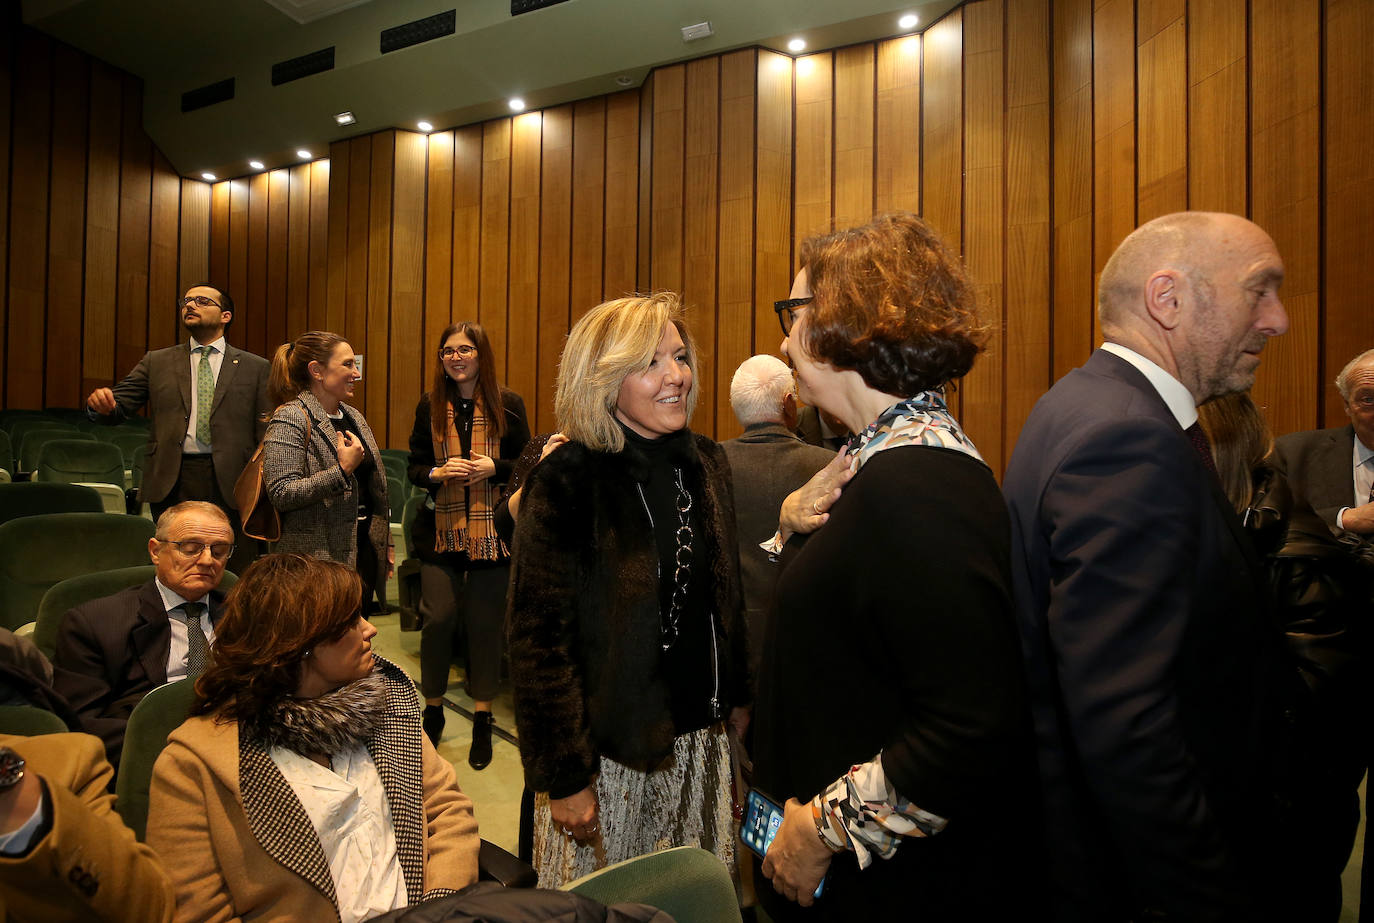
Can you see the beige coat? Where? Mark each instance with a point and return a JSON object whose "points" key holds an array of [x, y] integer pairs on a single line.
{"points": [[238, 845]]}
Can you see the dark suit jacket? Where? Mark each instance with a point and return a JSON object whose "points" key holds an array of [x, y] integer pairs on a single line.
{"points": [[111, 652], [766, 464], [1150, 653], [238, 417], [1319, 465]]}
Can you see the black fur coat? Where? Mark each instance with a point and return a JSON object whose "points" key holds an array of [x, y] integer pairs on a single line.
{"points": [[583, 620]]}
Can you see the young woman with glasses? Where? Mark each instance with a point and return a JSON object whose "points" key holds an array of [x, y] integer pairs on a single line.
{"points": [[468, 433]]}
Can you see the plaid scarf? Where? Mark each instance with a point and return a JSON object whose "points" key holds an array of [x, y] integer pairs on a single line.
{"points": [[462, 515]]}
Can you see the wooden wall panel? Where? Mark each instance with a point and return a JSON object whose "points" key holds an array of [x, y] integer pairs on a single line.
{"points": [[556, 248], [164, 328], [340, 163], [372, 391], [942, 112], [8, 39], [66, 224], [491, 312], [193, 257], [1285, 182], [589, 164], [252, 300], [814, 140], [318, 306], [897, 123], [1349, 188], [665, 231], [297, 239], [408, 350], [521, 367], [1162, 78], [622, 197], [438, 246], [773, 270], [736, 337], [102, 231], [28, 222], [219, 233], [854, 117], [356, 259], [1072, 307], [1114, 152], [701, 171], [278, 258], [1218, 127], [135, 211], [467, 223], [238, 267]]}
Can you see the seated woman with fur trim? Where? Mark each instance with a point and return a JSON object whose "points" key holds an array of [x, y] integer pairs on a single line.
{"points": [[302, 787]]}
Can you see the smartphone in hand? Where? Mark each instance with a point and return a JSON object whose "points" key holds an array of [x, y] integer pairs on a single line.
{"points": [[762, 818]]}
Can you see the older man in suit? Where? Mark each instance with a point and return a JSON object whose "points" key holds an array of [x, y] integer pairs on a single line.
{"points": [[1153, 666], [113, 651], [767, 463], [209, 407], [1333, 469]]}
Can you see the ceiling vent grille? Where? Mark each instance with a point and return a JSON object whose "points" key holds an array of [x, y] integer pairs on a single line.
{"points": [[207, 95], [526, 6], [421, 30], [317, 62]]}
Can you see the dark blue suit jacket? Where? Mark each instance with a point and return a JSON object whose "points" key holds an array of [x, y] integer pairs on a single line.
{"points": [[1150, 652]]}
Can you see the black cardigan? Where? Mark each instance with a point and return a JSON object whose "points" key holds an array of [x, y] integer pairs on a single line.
{"points": [[422, 461], [892, 631], [584, 617]]}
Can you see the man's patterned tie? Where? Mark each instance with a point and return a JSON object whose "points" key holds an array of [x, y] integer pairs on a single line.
{"points": [[205, 394]]}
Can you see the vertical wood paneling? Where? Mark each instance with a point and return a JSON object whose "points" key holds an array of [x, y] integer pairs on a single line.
{"points": [[1217, 112], [700, 209], [736, 339], [28, 222], [1285, 197], [318, 306], [1162, 77], [622, 196], [194, 253], [7, 59], [1349, 321], [1114, 99], [135, 210], [102, 230], [467, 222], [492, 299], [814, 85], [406, 316], [644, 239], [1071, 310], [942, 158], [555, 245], [219, 233], [254, 297], [438, 246], [897, 182], [297, 252], [163, 326], [854, 114], [66, 224], [773, 200], [665, 265], [985, 138], [340, 162], [356, 261], [373, 390], [278, 258], [588, 206], [244, 306], [522, 334]]}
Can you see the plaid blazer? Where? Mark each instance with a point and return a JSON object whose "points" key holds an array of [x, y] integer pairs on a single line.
{"points": [[237, 842]]}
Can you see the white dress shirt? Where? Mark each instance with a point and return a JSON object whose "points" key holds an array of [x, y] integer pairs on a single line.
{"points": [[1169, 388], [180, 648], [191, 445], [349, 810]]}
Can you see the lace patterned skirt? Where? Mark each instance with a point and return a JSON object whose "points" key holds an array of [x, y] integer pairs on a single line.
{"points": [[685, 801]]}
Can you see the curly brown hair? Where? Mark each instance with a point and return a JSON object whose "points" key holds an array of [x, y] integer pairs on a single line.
{"points": [[284, 606], [891, 302]]}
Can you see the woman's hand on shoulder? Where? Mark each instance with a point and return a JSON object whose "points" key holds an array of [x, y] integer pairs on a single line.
{"points": [[576, 815], [807, 508], [556, 440]]}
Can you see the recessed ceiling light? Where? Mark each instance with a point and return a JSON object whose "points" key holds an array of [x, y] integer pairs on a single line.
{"points": [[344, 118], [424, 126], [255, 164], [797, 44], [908, 21], [624, 80], [208, 176], [517, 104], [303, 154]]}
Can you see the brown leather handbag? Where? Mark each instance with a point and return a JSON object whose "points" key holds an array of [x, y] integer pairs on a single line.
{"points": [[256, 512]]}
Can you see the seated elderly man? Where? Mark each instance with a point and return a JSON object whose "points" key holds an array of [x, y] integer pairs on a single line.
{"points": [[768, 462], [113, 651]]}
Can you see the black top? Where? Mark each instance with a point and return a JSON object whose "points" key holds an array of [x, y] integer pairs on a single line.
{"points": [[363, 473]]}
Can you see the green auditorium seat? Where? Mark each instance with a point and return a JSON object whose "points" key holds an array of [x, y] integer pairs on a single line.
{"points": [[686, 883], [31, 448], [158, 714], [132, 441], [25, 425], [33, 498], [38, 551], [6, 452], [77, 461], [9, 419], [29, 721], [395, 465]]}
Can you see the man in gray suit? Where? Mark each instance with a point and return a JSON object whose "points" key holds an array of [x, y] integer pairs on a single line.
{"points": [[1333, 469], [767, 462], [209, 407]]}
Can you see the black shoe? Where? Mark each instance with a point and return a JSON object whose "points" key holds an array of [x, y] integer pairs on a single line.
{"points": [[479, 756], [433, 722]]}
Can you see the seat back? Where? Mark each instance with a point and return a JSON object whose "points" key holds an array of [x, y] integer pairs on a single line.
{"points": [[19, 426], [396, 461], [397, 489], [29, 721], [75, 461], [687, 883], [158, 714], [33, 498], [36, 440], [6, 452], [132, 441], [38, 551]]}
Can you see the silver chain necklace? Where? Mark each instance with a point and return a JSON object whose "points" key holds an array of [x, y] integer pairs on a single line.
{"points": [[682, 560]]}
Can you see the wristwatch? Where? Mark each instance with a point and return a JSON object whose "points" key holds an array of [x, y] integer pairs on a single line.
{"points": [[11, 769]]}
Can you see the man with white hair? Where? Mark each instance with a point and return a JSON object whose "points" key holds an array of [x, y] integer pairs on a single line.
{"points": [[768, 462]]}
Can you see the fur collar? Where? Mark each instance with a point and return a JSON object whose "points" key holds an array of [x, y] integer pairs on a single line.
{"points": [[328, 724]]}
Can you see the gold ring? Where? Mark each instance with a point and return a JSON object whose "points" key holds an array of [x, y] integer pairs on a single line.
{"points": [[816, 507]]}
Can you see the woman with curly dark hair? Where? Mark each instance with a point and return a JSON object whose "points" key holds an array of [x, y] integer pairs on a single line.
{"points": [[889, 707], [302, 787]]}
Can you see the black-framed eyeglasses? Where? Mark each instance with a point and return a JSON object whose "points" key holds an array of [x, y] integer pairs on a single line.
{"points": [[466, 352], [787, 312], [191, 548], [200, 300]]}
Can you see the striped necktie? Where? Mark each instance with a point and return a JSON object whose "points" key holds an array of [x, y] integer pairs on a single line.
{"points": [[198, 648], [205, 394]]}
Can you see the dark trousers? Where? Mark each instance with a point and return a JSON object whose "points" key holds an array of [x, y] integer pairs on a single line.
{"points": [[478, 598], [367, 565], [197, 482]]}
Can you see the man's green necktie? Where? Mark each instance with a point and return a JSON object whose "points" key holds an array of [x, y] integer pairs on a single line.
{"points": [[205, 395]]}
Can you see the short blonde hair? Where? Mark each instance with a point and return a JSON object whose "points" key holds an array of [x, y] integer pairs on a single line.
{"points": [[612, 341]]}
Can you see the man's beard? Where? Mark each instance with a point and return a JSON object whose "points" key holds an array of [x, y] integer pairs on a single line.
{"points": [[199, 327]]}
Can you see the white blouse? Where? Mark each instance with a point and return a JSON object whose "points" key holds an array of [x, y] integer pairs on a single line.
{"points": [[349, 810]]}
